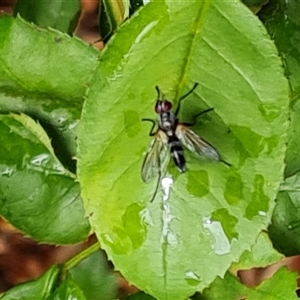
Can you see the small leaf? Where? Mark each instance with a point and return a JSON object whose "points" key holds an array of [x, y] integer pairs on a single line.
{"points": [[39, 288], [57, 14], [285, 228], [262, 254], [45, 55], [67, 290], [281, 286], [112, 14], [38, 195], [94, 278]]}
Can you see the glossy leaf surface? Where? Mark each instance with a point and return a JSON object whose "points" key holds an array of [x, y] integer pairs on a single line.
{"points": [[166, 247], [37, 195], [44, 73]]}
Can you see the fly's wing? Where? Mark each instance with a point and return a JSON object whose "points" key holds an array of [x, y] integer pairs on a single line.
{"points": [[157, 157], [195, 144]]}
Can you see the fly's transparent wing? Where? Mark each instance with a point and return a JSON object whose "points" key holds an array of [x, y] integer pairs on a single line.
{"points": [[157, 157], [195, 144]]}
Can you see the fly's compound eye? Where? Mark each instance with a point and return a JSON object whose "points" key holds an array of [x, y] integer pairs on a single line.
{"points": [[163, 106]]}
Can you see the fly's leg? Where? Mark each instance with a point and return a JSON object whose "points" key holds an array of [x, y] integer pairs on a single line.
{"points": [[151, 133], [184, 96], [157, 186], [197, 116]]}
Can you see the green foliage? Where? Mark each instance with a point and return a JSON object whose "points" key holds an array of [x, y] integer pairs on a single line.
{"points": [[262, 254], [61, 15], [281, 286], [41, 287], [94, 278], [215, 213], [45, 86], [35, 186], [67, 290], [210, 207], [282, 22]]}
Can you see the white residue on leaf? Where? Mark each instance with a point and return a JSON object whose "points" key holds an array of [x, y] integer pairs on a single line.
{"points": [[192, 275], [114, 76], [45, 163], [108, 238], [61, 120], [40, 160], [168, 236], [262, 213], [220, 243], [73, 125], [166, 184], [58, 169], [8, 172]]}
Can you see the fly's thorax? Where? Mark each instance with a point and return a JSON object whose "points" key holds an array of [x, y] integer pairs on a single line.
{"points": [[167, 122]]}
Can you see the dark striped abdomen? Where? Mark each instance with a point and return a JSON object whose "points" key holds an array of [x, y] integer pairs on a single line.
{"points": [[177, 152]]}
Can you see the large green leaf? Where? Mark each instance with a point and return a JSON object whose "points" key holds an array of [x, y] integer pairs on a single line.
{"points": [[281, 286], [37, 195], [172, 248], [44, 73], [61, 15]]}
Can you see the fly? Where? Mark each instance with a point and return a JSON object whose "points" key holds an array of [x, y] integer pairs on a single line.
{"points": [[169, 138]]}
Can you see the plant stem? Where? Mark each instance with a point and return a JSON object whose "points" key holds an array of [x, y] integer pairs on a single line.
{"points": [[80, 256]]}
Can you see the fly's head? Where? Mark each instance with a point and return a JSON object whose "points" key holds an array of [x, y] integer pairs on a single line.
{"points": [[162, 105]]}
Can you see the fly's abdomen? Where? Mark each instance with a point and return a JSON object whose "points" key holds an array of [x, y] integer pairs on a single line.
{"points": [[177, 153]]}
